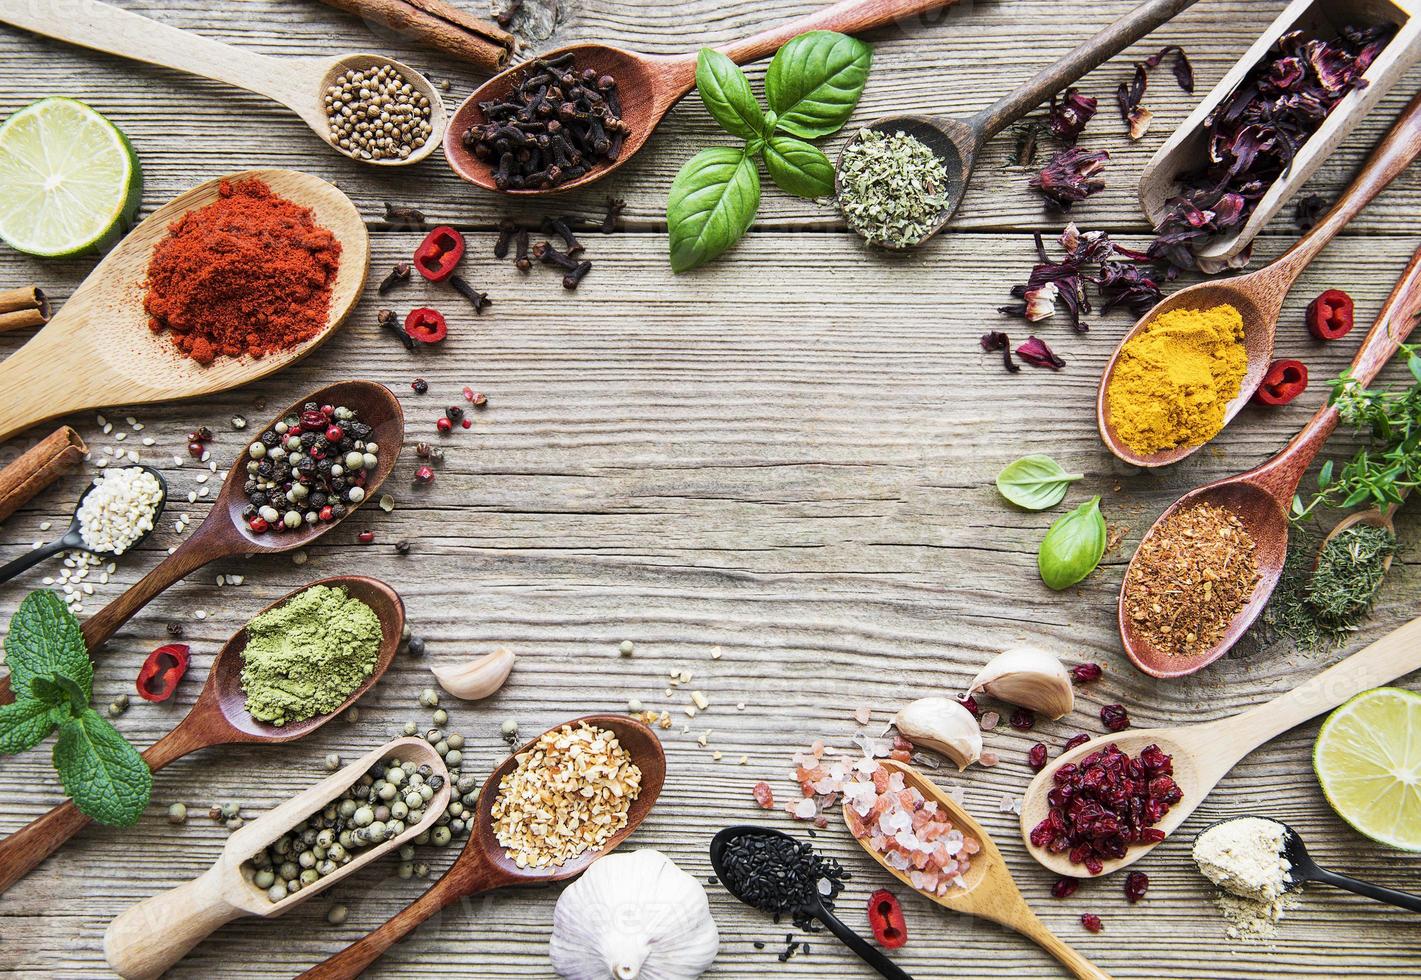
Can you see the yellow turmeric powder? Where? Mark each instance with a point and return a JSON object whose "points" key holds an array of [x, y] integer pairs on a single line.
{"points": [[1175, 378]]}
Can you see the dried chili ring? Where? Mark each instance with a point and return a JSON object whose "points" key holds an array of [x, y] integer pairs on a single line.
{"points": [[426, 325], [885, 917], [1284, 380], [159, 676], [439, 254], [1330, 315]]}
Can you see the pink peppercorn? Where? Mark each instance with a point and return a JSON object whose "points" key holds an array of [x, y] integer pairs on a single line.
{"points": [[1092, 922]]}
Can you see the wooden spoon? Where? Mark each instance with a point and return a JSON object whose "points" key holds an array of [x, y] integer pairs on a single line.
{"points": [[1203, 754], [484, 866], [218, 717], [649, 85], [98, 350], [990, 892], [1384, 519], [148, 938], [957, 142], [298, 83], [1259, 295], [1262, 497]]}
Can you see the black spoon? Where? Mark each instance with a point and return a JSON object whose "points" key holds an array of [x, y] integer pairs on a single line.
{"points": [[851, 939], [72, 540]]}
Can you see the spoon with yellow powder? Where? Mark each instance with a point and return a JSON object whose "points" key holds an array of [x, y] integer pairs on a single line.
{"points": [[219, 717], [1191, 363]]}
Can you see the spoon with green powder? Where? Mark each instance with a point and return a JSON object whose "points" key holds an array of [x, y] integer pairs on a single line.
{"points": [[220, 715]]}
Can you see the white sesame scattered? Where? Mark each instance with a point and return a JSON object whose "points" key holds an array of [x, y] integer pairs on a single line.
{"points": [[104, 579], [130, 420], [202, 492], [148, 440], [120, 436], [132, 456], [100, 420], [88, 589], [715, 653], [47, 580], [177, 461], [200, 614], [202, 478], [192, 496], [235, 579], [206, 455], [103, 463], [45, 526], [221, 580], [740, 706], [106, 428]]}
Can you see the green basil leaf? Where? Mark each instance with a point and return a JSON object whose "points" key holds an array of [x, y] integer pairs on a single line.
{"points": [[799, 168], [1073, 546], [44, 638], [106, 777], [1035, 482], [23, 725], [726, 93], [713, 200], [815, 81]]}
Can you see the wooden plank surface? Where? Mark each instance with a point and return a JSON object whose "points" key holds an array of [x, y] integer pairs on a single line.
{"points": [[786, 457]]}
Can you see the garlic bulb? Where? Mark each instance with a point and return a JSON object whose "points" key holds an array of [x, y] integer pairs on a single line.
{"points": [[1030, 677], [633, 917], [942, 724], [477, 678]]}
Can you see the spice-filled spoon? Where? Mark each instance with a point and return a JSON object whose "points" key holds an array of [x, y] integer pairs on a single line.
{"points": [[957, 142], [1259, 295], [102, 335], [219, 717], [989, 891], [1262, 497], [1373, 516], [1203, 754], [483, 865], [148, 938], [739, 872], [649, 85], [75, 537], [224, 533], [300, 84]]}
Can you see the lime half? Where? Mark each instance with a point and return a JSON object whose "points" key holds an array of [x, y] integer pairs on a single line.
{"points": [[1368, 760], [69, 180]]}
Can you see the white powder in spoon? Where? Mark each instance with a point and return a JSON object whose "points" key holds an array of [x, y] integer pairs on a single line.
{"points": [[1245, 858]]}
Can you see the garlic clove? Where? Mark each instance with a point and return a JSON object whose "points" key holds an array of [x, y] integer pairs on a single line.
{"points": [[944, 725], [1030, 677], [477, 678]]}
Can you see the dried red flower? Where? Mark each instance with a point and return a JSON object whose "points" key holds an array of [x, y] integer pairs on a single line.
{"points": [[1037, 354], [1066, 178], [994, 340], [1069, 116]]}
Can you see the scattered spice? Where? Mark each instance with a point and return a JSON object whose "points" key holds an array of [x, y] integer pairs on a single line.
{"points": [[403, 217], [996, 340], [1330, 315], [309, 467], [159, 676], [476, 299], [777, 874], [892, 187], [1091, 922], [1036, 353], [615, 207], [376, 113], [1114, 717], [1284, 380], [1087, 672], [1120, 282], [1129, 93], [1066, 178], [885, 918], [387, 320]]}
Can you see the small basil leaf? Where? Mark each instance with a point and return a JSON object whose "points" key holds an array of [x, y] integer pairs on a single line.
{"points": [[1298, 509], [726, 93], [815, 81], [1073, 546], [1035, 482], [754, 147], [1414, 363], [712, 202], [799, 168]]}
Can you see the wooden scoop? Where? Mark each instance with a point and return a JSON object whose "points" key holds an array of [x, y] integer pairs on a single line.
{"points": [[223, 533], [484, 866], [1259, 295], [148, 938], [990, 892], [1203, 754], [1262, 497], [298, 83], [1376, 517], [650, 85], [219, 717], [98, 350]]}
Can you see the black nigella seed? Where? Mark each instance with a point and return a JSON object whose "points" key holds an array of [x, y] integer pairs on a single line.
{"points": [[780, 875]]}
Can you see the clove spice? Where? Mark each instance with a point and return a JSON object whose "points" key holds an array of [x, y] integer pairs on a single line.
{"points": [[388, 320], [561, 228], [403, 217], [399, 274], [462, 287], [615, 207]]}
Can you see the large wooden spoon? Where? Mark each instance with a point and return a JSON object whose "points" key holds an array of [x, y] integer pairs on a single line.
{"points": [[298, 83], [649, 85], [990, 892], [1262, 497], [98, 350], [484, 866], [223, 533], [1204, 754], [1259, 295], [219, 717]]}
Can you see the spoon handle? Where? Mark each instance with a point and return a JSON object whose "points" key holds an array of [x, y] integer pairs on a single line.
{"points": [[1402, 900], [846, 16], [1095, 52], [1026, 923], [30, 559], [147, 938], [869, 954]]}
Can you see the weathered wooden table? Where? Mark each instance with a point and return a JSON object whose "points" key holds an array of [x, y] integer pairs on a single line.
{"points": [[775, 473]]}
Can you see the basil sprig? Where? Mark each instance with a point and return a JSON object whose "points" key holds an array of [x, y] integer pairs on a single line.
{"points": [[812, 86], [1073, 546], [1035, 482]]}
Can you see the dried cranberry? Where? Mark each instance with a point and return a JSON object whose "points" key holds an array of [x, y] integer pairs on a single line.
{"points": [[764, 795], [1080, 738], [1085, 673], [970, 703], [1092, 922], [1036, 757], [1136, 883], [195, 449], [1023, 720], [1065, 887], [1115, 717]]}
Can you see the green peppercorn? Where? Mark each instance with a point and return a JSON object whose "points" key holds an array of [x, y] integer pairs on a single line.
{"points": [[277, 891], [352, 714], [118, 705], [441, 837], [456, 741], [441, 717], [234, 824], [332, 761], [510, 728], [429, 698], [411, 728], [406, 869], [177, 813], [337, 914], [229, 810], [421, 870], [453, 758], [406, 852], [310, 876], [264, 879]]}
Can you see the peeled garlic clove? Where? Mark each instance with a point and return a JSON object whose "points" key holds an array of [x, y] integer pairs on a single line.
{"points": [[1030, 677], [942, 724], [477, 678]]}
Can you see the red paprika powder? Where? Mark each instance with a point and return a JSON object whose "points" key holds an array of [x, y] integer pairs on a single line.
{"points": [[250, 273]]}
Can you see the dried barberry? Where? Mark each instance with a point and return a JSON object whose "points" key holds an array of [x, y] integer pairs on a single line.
{"points": [[1114, 717], [1023, 720], [1036, 757], [1087, 672], [1091, 921], [1136, 884], [1065, 887]]}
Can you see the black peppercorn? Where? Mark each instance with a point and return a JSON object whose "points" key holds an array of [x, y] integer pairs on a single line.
{"points": [[454, 413], [175, 629], [402, 547], [416, 646], [269, 438], [420, 386]]}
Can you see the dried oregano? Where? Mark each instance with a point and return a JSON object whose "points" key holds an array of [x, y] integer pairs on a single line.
{"points": [[892, 188]]}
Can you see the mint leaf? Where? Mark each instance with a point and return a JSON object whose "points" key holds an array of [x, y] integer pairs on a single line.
{"points": [[107, 778], [815, 81], [59, 692], [726, 93], [799, 168], [713, 200], [23, 725], [44, 638]]}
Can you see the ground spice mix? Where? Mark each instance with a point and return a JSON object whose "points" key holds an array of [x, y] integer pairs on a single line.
{"points": [[250, 273]]}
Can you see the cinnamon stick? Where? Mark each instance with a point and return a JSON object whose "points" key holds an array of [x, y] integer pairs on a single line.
{"points": [[24, 298], [19, 319], [486, 46], [38, 468]]}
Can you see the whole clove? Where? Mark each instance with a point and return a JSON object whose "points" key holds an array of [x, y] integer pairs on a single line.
{"points": [[521, 259], [462, 287], [561, 228], [388, 320], [547, 253], [504, 18], [403, 216], [400, 273], [571, 279], [506, 231], [615, 207]]}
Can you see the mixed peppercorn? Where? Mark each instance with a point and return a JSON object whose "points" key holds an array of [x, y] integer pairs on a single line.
{"points": [[308, 468]]}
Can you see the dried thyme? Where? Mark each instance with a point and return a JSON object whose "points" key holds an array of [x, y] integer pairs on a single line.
{"points": [[892, 188], [1349, 571]]}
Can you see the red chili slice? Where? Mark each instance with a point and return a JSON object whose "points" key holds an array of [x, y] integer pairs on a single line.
{"points": [[1330, 315], [426, 325], [159, 676], [1284, 381], [885, 917], [439, 254]]}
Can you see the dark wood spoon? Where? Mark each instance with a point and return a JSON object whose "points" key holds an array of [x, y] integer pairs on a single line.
{"points": [[1262, 497], [223, 533], [649, 85], [218, 717], [484, 866]]}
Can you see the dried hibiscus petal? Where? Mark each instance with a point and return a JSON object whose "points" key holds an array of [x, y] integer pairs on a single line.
{"points": [[994, 340], [1069, 116], [1037, 354], [1066, 178]]}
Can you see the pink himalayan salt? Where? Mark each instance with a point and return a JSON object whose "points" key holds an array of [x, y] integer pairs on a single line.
{"points": [[863, 715]]}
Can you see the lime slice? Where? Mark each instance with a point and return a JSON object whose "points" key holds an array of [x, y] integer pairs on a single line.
{"points": [[1368, 760], [69, 180]]}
